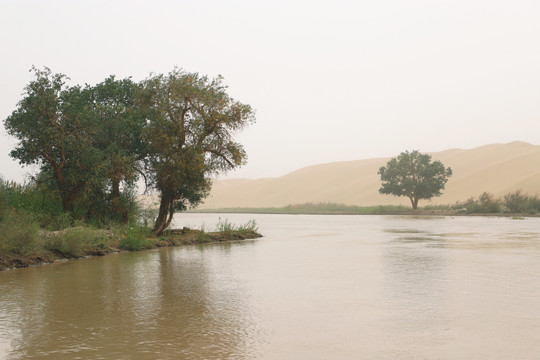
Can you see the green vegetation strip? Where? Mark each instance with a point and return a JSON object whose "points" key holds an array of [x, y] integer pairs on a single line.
{"points": [[24, 244], [317, 208], [511, 204]]}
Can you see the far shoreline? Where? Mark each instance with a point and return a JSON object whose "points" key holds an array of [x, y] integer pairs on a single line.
{"points": [[390, 211]]}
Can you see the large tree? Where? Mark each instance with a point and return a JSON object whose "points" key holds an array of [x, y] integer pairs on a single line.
{"points": [[117, 128], [51, 124], [413, 175], [189, 137]]}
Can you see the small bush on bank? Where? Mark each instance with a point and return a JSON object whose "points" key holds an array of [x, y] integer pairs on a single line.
{"points": [[135, 238], [251, 225], [75, 242], [224, 227], [54, 222], [517, 202], [19, 234], [485, 203], [31, 198], [200, 237], [228, 229]]}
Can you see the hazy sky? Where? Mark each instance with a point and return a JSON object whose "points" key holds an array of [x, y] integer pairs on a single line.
{"points": [[330, 81]]}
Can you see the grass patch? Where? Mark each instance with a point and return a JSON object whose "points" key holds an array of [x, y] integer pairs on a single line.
{"points": [[136, 238], [19, 235], [201, 236], [79, 241], [34, 228], [230, 230], [224, 231]]}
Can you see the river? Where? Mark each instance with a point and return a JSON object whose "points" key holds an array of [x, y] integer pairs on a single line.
{"points": [[315, 287]]}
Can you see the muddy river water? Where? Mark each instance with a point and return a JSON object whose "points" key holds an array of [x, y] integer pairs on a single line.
{"points": [[315, 287]]}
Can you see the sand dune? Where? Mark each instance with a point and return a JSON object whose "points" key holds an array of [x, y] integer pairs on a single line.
{"points": [[496, 168]]}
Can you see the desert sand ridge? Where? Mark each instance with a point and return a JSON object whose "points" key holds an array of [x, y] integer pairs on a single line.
{"points": [[495, 168]]}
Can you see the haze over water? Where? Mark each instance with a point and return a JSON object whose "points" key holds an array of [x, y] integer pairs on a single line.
{"points": [[315, 287]]}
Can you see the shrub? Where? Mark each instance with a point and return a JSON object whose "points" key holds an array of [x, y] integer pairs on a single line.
{"points": [[251, 225], [75, 242], [227, 228], [516, 202], [3, 201], [224, 226], [51, 222], [19, 234], [485, 203], [201, 234], [31, 198], [136, 238]]}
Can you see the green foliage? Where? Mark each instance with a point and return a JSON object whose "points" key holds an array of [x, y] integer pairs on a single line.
{"points": [[518, 202], [316, 208], [87, 140], [76, 242], [37, 200], [189, 137], [51, 124], [19, 234], [200, 237], [32, 198], [92, 142], [226, 228], [4, 207], [146, 215], [54, 223], [485, 203], [251, 225], [413, 175], [135, 239], [117, 124]]}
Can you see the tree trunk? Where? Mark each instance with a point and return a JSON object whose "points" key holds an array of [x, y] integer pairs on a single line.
{"points": [[59, 176], [68, 196], [163, 220], [169, 220], [414, 202]]}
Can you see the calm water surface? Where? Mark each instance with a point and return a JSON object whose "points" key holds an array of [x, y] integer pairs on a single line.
{"points": [[315, 287]]}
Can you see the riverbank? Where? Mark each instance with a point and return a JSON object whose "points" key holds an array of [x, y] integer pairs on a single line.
{"points": [[66, 244]]}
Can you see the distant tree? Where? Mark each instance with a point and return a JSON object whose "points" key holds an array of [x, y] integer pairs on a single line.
{"points": [[413, 175], [189, 136]]}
